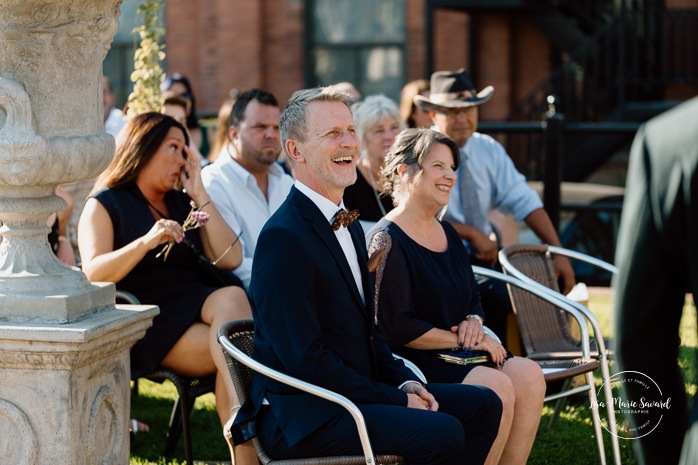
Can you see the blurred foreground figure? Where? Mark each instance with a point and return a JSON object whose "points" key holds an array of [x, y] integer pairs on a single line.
{"points": [[658, 260]]}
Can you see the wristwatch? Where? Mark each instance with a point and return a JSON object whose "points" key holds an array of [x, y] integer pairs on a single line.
{"points": [[476, 317]]}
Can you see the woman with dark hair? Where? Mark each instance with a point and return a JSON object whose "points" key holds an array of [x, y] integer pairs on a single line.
{"points": [[179, 84], [428, 301], [138, 211]]}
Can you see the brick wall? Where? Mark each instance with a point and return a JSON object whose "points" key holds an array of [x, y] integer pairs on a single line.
{"points": [[416, 41], [235, 44], [493, 63], [238, 44], [451, 40]]}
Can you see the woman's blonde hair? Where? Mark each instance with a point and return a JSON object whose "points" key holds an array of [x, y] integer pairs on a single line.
{"points": [[368, 112]]}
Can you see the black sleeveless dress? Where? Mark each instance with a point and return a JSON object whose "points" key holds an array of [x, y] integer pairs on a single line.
{"points": [[361, 196], [176, 285]]}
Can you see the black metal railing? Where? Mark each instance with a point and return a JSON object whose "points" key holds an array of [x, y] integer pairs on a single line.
{"points": [[630, 59], [553, 129]]}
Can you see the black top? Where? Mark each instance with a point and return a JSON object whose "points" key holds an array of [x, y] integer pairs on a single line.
{"points": [[422, 289], [175, 285], [362, 196]]}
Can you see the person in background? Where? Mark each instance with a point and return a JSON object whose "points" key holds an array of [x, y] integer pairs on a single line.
{"points": [[135, 215], [178, 107], [246, 183], [412, 115], [428, 300], [313, 309], [113, 118], [350, 89], [487, 179], [377, 123], [221, 138], [180, 85], [657, 258], [57, 236]]}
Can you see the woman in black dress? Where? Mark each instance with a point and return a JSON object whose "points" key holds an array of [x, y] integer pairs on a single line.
{"points": [[428, 299], [137, 209]]}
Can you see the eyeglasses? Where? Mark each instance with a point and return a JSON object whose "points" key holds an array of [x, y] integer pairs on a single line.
{"points": [[455, 112], [203, 257]]}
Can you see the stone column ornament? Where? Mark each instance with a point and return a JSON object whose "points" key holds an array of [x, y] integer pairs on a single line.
{"points": [[51, 132], [64, 345]]}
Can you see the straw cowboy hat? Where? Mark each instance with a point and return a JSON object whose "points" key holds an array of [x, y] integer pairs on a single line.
{"points": [[453, 89]]}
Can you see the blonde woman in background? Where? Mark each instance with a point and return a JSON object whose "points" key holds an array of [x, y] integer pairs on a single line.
{"points": [[377, 123]]}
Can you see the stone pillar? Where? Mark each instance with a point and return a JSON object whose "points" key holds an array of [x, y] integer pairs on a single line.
{"points": [[64, 367]]}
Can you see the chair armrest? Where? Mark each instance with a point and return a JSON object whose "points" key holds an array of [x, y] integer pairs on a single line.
{"points": [[583, 258], [127, 297], [548, 295], [411, 365], [241, 357]]}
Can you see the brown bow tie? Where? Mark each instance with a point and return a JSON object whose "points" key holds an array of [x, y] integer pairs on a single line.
{"points": [[342, 218]]}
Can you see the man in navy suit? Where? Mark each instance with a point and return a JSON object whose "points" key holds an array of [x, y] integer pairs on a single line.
{"points": [[313, 310]]}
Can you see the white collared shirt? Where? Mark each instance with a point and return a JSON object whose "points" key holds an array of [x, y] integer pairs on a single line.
{"points": [[115, 122], [329, 210], [237, 196]]}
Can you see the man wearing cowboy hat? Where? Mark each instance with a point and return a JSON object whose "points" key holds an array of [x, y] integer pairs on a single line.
{"points": [[487, 180]]}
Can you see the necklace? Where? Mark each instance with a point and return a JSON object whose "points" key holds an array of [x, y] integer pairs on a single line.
{"points": [[140, 195], [374, 186]]}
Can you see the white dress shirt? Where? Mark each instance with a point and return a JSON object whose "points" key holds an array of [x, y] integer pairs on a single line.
{"points": [[115, 122], [238, 198], [329, 209]]}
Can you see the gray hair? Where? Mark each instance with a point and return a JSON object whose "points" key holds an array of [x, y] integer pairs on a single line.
{"points": [[410, 148], [293, 118], [370, 111]]}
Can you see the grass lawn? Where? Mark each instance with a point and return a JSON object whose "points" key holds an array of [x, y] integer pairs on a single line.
{"points": [[569, 442]]}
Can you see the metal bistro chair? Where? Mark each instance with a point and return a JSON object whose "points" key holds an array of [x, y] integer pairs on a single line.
{"points": [[188, 389], [237, 340], [566, 369], [533, 264], [545, 329]]}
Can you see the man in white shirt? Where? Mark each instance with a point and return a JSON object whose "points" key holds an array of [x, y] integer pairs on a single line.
{"points": [[113, 118], [245, 182]]}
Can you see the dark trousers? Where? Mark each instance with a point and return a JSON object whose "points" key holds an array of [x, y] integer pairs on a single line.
{"points": [[495, 300], [461, 432]]}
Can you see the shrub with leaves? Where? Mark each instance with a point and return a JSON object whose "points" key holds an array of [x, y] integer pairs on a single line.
{"points": [[147, 74]]}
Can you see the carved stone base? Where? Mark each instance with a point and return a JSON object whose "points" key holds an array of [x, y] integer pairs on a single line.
{"points": [[65, 391]]}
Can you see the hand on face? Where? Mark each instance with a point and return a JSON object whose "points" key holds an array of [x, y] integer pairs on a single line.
{"points": [[190, 176]]}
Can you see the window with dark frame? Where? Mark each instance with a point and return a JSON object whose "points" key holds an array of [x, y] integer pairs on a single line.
{"points": [[360, 41]]}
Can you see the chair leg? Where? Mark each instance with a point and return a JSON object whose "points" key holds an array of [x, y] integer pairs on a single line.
{"points": [[610, 409], [179, 423], [186, 410], [595, 417], [175, 428], [560, 404]]}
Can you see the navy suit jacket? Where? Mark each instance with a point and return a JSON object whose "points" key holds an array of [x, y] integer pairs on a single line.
{"points": [[311, 323]]}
